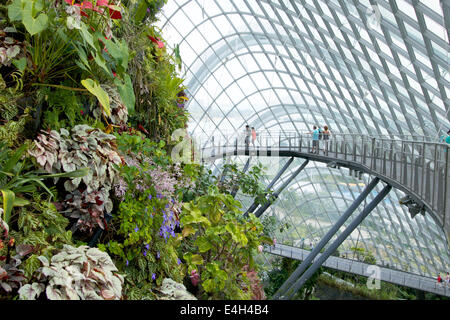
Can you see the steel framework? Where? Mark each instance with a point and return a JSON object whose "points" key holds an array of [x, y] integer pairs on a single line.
{"points": [[378, 67]]}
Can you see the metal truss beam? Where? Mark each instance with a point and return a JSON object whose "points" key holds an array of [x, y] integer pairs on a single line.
{"points": [[270, 185], [302, 267], [261, 210], [332, 248]]}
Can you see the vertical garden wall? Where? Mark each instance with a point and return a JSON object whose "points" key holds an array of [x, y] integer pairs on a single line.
{"points": [[92, 204]]}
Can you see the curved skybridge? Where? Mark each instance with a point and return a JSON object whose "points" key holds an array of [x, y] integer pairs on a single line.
{"points": [[415, 165]]}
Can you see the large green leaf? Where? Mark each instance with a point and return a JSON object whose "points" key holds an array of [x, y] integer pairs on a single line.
{"points": [[20, 64], [87, 36], [98, 58], [73, 174], [9, 165], [197, 259], [126, 92], [83, 58], [94, 88], [15, 10], [119, 51], [203, 244], [19, 202], [140, 11], [32, 24], [8, 202]]}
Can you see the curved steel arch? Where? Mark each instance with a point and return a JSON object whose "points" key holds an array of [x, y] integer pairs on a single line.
{"points": [[322, 41], [371, 79]]}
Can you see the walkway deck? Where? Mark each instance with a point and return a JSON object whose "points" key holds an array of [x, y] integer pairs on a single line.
{"points": [[418, 168], [389, 275]]}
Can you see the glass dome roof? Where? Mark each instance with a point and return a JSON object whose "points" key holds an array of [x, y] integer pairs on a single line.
{"points": [[368, 67]]}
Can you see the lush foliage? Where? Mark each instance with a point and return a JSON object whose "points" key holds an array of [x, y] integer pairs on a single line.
{"points": [[282, 269], [220, 244], [62, 151], [90, 97], [76, 273], [144, 240]]}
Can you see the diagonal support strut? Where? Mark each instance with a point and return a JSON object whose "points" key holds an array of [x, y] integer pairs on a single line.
{"points": [[274, 180], [302, 267], [262, 209], [332, 248]]}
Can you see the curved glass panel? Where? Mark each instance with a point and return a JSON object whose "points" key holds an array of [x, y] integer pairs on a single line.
{"points": [[378, 67]]}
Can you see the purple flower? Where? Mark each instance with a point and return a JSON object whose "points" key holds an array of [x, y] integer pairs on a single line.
{"points": [[145, 253], [149, 197], [136, 229], [157, 255], [178, 261], [127, 263], [153, 276]]}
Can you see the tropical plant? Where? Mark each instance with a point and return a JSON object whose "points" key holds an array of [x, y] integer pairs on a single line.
{"points": [[76, 273], [218, 243], [39, 229], [11, 277], [282, 269], [88, 197], [16, 180], [144, 241]]}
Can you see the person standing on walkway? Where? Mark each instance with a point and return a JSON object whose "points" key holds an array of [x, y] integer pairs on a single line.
{"points": [[447, 279], [253, 136], [326, 137], [439, 279], [247, 136], [315, 140], [446, 137]]}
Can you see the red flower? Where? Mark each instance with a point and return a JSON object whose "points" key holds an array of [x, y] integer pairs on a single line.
{"points": [[114, 13], [81, 111], [142, 129], [157, 41], [98, 201]]}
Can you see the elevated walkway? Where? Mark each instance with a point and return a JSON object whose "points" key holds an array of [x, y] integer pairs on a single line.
{"points": [[356, 267], [412, 164]]}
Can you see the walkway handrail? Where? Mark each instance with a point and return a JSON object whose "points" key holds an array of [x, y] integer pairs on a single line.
{"points": [[418, 167]]}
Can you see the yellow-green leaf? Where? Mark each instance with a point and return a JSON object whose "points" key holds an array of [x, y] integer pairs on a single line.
{"points": [[187, 231], [19, 202], [197, 259], [8, 202], [94, 88]]}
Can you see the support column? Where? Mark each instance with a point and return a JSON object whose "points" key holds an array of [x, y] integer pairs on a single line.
{"points": [[274, 180], [262, 209], [302, 267], [332, 248]]}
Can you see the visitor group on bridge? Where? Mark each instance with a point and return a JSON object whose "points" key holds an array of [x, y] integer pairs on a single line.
{"points": [[443, 282], [317, 135]]}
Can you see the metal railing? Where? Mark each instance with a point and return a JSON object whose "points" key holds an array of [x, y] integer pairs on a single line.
{"points": [[416, 164]]}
